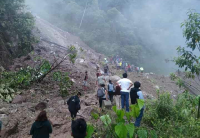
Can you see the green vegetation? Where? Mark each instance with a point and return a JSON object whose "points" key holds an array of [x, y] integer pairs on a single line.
{"points": [[64, 82], [16, 25], [118, 124], [187, 59], [163, 117], [171, 118], [11, 82]]}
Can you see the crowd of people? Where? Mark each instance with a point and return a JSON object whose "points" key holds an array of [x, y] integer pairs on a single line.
{"points": [[127, 67], [120, 92]]}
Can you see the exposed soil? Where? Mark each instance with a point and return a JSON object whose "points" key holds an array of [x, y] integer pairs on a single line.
{"points": [[53, 45]]}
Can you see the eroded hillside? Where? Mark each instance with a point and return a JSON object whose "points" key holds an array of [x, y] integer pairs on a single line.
{"points": [[53, 45]]}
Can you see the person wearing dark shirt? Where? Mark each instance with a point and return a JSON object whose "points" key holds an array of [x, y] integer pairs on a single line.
{"points": [[79, 128], [135, 94], [85, 81], [74, 105], [41, 128]]}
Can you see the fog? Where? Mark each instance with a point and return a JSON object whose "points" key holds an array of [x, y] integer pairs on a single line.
{"points": [[159, 21], [155, 22]]}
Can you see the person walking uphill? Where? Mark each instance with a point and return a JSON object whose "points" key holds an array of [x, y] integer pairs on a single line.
{"points": [[135, 94], [85, 81], [102, 95], [111, 90], [125, 85], [74, 105], [41, 128], [79, 128]]}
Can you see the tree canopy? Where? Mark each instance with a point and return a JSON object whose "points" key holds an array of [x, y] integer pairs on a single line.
{"points": [[187, 58], [15, 29]]}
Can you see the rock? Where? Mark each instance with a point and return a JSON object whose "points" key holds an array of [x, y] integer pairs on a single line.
{"points": [[3, 110], [107, 104], [157, 87], [19, 99], [13, 111], [27, 58], [8, 132], [50, 109], [57, 122], [115, 78], [3, 116], [61, 102], [1, 69], [41, 106], [73, 80]]}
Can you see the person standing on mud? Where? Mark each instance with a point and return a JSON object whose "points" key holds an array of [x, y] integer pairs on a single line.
{"points": [[117, 97], [106, 69], [135, 94], [41, 128], [85, 81], [74, 105], [111, 90], [102, 94], [125, 85]]}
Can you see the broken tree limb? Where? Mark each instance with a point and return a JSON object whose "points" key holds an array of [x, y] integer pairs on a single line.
{"points": [[52, 68]]}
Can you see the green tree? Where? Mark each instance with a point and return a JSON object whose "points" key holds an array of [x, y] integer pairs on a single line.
{"points": [[16, 28], [187, 59]]}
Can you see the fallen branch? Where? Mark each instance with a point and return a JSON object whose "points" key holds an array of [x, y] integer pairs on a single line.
{"points": [[52, 68]]}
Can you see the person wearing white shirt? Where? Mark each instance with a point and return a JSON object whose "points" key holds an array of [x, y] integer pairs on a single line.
{"points": [[125, 85]]}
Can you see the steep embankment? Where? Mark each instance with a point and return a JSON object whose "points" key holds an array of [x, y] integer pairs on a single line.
{"points": [[53, 45]]}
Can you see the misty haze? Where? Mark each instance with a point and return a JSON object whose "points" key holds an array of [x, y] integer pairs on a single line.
{"points": [[100, 68], [149, 27]]}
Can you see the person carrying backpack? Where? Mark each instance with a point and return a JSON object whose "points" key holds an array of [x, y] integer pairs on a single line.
{"points": [[135, 94], [74, 105], [102, 95], [79, 128], [111, 90], [41, 128]]}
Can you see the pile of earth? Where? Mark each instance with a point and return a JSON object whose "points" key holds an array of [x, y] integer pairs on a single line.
{"points": [[19, 115]]}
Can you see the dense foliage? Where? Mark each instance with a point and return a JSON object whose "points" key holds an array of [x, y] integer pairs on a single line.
{"points": [[163, 117], [15, 29], [118, 124], [171, 118]]}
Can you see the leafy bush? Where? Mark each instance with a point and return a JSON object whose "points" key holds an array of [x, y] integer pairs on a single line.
{"points": [[64, 82], [6, 93], [119, 124], [11, 81], [173, 118], [165, 106]]}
